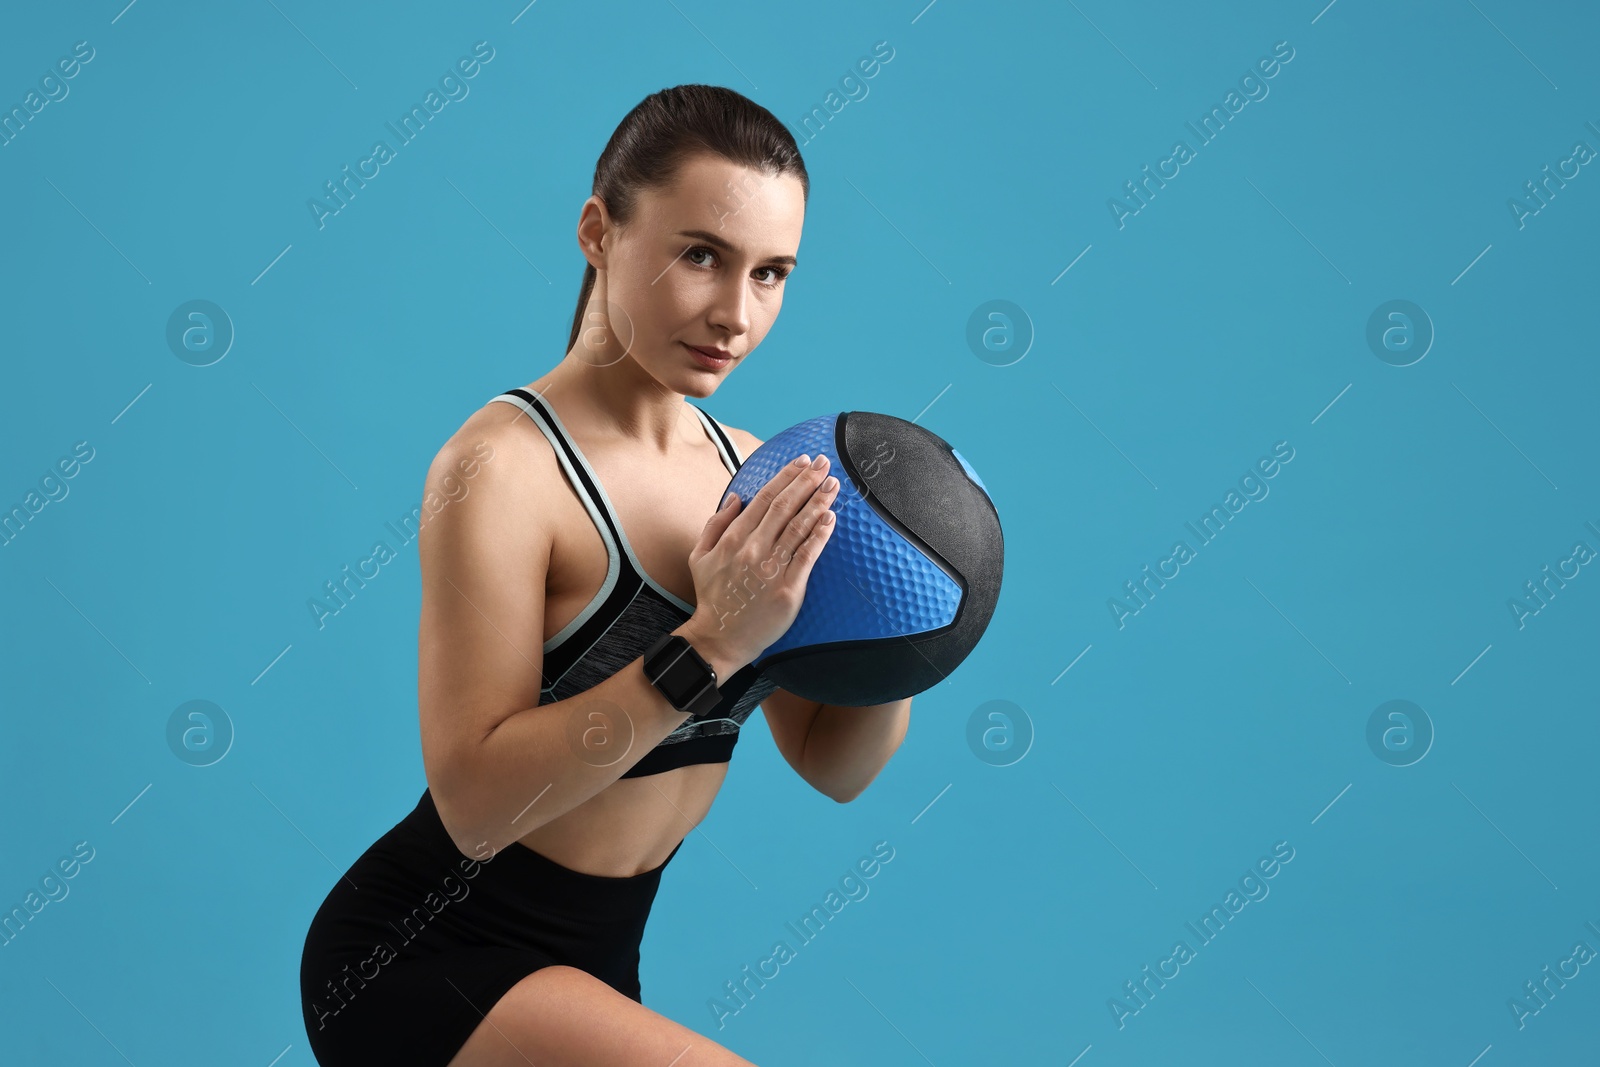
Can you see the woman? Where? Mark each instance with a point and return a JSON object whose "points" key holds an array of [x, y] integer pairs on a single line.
{"points": [[500, 921]]}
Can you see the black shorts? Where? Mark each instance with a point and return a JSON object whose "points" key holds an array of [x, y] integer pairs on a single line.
{"points": [[416, 943]]}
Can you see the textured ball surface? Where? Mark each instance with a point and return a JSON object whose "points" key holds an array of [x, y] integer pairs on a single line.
{"points": [[910, 576]]}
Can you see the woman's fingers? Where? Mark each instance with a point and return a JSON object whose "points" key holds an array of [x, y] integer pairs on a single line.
{"points": [[815, 516], [756, 510], [786, 494], [811, 548], [719, 521], [748, 544]]}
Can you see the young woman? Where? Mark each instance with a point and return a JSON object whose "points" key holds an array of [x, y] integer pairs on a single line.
{"points": [[500, 921]]}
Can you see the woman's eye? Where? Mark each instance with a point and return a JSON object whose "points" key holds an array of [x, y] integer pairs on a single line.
{"points": [[778, 273]]}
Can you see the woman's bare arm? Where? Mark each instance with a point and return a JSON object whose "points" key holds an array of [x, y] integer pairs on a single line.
{"points": [[498, 764]]}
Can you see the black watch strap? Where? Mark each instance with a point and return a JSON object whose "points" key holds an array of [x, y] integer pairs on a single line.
{"points": [[682, 675]]}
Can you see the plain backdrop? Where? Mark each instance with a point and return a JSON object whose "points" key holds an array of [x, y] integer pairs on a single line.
{"points": [[1145, 362]]}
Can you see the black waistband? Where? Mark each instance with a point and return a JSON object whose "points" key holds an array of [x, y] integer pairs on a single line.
{"points": [[516, 862]]}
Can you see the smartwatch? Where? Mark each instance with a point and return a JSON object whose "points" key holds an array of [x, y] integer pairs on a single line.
{"points": [[682, 675]]}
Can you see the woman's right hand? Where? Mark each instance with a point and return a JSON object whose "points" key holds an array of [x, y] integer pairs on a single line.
{"points": [[753, 560]]}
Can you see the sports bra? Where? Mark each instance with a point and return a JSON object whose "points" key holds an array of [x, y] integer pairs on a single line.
{"points": [[631, 610]]}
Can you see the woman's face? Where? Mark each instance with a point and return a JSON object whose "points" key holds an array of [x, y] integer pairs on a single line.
{"points": [[702, 263]]}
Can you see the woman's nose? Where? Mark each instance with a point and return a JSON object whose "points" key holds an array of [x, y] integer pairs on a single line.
{"points": [[731, 311]]}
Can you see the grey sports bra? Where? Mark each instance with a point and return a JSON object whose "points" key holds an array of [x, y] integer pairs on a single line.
{"points": [[630, 611]]}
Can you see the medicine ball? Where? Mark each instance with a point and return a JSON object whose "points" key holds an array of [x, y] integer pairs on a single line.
{"points": [[910, 576]]}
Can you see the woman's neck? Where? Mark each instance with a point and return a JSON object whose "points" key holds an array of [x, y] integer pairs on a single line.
{"points": [[615, 401]]}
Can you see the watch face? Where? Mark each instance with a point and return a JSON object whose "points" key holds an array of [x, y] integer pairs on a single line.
{"points": [[684, 677], [681, 675], [662, 650]]}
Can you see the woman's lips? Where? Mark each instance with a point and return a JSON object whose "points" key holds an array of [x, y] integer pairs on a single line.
{"points": [[706, 360]]}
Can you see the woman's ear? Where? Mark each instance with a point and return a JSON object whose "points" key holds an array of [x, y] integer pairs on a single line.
{"points": [[594, 229]]}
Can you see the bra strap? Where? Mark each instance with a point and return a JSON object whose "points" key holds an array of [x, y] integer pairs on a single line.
{"points": [[722, 438]]}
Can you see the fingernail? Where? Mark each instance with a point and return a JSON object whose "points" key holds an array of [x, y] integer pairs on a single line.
{"points": [[802, 461], [730, 498], [820, 462]]}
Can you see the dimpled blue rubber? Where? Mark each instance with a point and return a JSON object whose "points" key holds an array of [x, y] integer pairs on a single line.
{"points": [[870, 583]]}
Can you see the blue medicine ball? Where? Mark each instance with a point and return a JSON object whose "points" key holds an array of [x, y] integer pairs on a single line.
{"points": [[908, 580]]}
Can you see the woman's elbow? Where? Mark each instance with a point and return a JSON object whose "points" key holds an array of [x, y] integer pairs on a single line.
{"points": [[464, 810]]}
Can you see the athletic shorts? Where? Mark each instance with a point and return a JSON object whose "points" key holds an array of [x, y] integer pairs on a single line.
{"points": [[416, 942]]}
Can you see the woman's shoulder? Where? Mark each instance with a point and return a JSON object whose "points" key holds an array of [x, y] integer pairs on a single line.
{"points": [[495, 444], [743, 440]]}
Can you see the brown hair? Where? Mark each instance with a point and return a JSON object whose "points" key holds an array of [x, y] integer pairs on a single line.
{"points": [[667, 127]]}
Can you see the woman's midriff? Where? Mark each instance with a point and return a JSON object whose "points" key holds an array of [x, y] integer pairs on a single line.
{"points": [[632, 825]]}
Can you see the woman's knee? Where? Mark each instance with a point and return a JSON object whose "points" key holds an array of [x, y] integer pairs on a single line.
{"points": [[561, 1015]]}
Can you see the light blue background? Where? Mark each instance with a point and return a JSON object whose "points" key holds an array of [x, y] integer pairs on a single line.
{"points": [[1229, 314]]}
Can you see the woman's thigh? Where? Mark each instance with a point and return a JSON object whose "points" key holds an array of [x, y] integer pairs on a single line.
{"points": [[563, 1017]]}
